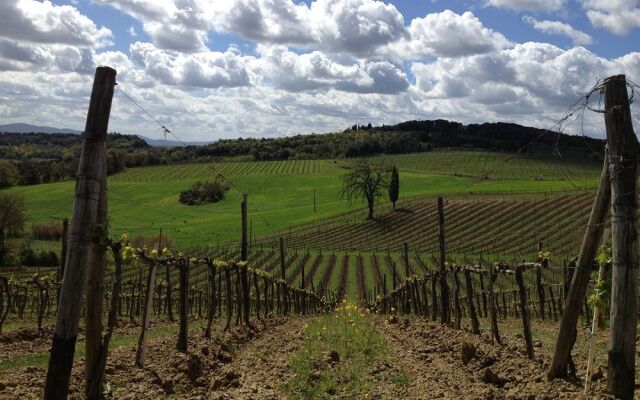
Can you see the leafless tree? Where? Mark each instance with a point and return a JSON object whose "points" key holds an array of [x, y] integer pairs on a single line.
{"points": [[367, 182]]}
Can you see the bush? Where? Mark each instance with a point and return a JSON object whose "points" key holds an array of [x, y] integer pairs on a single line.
{"points": [[50, 231], [30, 258], [202, 193]]}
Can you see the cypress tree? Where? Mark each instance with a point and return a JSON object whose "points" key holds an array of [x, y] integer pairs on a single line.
{"points": [[394, 186]]}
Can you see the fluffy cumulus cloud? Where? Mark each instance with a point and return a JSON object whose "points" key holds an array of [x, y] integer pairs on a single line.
{"points": [[308, 66], [290, 71], [578, 37], [204, 70], [448, 34], [179, 25], [530, 83], [529, 5], [43, 22], [617, 16]]}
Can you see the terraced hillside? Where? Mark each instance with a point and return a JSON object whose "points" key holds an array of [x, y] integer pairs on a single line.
{"points": [[474, 225]]}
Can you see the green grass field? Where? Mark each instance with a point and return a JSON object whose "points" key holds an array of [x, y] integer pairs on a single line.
{"points": [[281, 193]]}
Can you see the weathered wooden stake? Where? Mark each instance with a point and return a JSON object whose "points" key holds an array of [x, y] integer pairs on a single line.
{"points": [[495, 334], [445, 313], [244, 279], [475, 325], [282, 261], [90, 183], [623, 169], [526, 324], [581, 276], [183, 334], [148, 303]]}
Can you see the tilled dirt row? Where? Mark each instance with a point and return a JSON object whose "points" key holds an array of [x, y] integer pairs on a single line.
{"points": [[450, 364], [241, 364]]}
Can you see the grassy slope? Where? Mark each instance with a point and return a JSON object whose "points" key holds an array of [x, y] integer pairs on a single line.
{"points": [[276, 200]]}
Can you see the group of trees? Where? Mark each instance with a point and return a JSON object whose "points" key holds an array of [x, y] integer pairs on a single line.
{"points": [[369, 182], [33, 158]]}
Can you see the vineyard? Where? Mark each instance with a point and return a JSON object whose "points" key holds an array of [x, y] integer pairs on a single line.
{"points": [[491, 226], [170, 173], [481, 293]]}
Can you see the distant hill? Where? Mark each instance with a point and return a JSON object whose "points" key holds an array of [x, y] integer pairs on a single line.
{"points": [[170, 143], [27, 128]]}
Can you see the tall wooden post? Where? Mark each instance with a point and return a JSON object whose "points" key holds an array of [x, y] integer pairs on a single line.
{"points": [[524, 311], [623, 169], [282, 262], [495, 334], [405, 248], [63, 252], [90, 184], [148, 303], [445, 316], [244, 279], [183, 334], [581, 276]]}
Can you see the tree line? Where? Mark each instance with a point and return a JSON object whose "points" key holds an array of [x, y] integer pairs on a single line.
{"points": [[33, 158]]}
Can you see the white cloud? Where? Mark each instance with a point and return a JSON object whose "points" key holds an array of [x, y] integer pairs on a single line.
{"points": [[178, 25], [353, 26], [43, 22], [204, 70], [529, 5], [531, 83], [616, 16], [132, 31], [448, 34], [23, 56], [293, 72], [578, 37]]}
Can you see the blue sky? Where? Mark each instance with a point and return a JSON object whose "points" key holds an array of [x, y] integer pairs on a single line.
{"points": [[227, 68]]}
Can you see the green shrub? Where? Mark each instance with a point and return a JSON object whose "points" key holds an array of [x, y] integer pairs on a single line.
{"points": [[202, 193]]}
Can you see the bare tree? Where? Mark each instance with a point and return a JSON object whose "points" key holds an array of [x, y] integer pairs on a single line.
{"points": [[367, 182]]}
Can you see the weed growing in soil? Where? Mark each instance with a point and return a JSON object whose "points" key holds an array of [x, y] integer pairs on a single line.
{"points": [[342, 355]]}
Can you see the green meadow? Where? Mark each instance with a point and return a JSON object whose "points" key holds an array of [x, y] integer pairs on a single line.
{"points": [[281, 193]]}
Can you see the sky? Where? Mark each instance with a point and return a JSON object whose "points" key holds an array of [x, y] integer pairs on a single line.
{"points": [[213, 69]]}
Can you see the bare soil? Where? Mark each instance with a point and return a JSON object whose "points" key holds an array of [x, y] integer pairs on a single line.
{"points": [[253, 364], [450, 364]]}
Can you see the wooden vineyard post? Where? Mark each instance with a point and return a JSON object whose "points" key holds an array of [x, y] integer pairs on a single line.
{"points": [[282, 261], [540, 288], [456, 300], [445, 314], [211, 310], [244, 279], [183, 268], [167, 273], [406, 259], [475, 325], [95, 388], [581, 276], [526, 324], [63, 252], [148, 304], [495, 334], [228, 295], [90, 183], [623, 169]]}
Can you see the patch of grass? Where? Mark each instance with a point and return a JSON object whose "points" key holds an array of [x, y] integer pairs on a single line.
{"points": [[349, 335]]}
